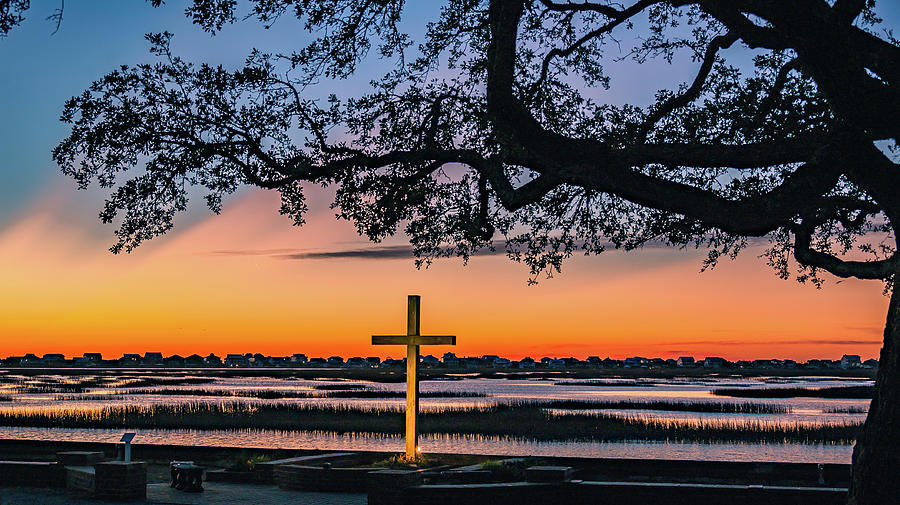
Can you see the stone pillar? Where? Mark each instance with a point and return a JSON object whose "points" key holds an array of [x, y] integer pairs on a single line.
{"points": [[388, 487], [120, 480]]}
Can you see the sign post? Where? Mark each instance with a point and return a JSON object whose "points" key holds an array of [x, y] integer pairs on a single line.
{"points": [[127, 438]]}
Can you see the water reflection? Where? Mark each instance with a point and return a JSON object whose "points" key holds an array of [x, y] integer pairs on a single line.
{"points": [[89, 394], [462, 444]]}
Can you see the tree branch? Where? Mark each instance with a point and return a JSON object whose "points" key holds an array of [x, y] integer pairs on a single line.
{"points": [[806, 255], [675, 102]]}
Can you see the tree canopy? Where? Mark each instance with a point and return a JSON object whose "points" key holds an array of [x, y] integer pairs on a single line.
{"points": [[491, 131]]}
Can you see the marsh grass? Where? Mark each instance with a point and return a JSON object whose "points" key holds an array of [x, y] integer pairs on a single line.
{"points": [[599, 384], [677, 406], [842, 392], [846, 410], [51, 384], [145, 382], [275, 394], [520, 420], [340, 387]]}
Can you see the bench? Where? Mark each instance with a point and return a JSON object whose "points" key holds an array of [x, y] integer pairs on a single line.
{"points": [[186, 476]]}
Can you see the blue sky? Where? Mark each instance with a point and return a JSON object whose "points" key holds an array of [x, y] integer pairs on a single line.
{"points": [[50, 235]]}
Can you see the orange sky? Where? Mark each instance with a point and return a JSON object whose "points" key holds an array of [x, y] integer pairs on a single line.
{"points": [[63, 292]]}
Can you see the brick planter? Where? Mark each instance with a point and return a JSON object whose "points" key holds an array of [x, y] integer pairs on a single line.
{"points": [[316, 478], [80, 481], [390, 487], [118, 480], [31, 474], [79, 458]]}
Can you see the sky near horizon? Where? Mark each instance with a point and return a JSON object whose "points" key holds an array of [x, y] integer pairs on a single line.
{"points": [[247, 281]]}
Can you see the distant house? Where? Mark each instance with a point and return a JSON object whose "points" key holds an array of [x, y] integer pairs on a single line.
{"points": [[501, 363], [685, 362], [153, 358], [236, 360], [713, 362], [54, 359], [470, 363], [194, 360], [355, 362], [335, 361], [573, 362], [556, 364], [870, 363], [279, 361], [129, 359], [93, 357], [609, 363], [430, 361], [391, 363], [318, 362], [299, 359], [850, 361], [487, 361], [373, 361], [450, 360], [174, 361], [526, 363], [32, 359], [213, 360], [822, 363], [260, 360], [635, 361]]}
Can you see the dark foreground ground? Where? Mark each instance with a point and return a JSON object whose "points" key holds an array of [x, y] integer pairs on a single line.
{"points": [[214, 494], [602, 475]]}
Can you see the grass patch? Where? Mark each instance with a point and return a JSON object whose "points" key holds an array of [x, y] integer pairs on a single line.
{"points": [[509, 470], [340, 387], [846, 410], [607, 384], [842, 392], [145, 382], [522, 420], [677, 406], [401, 462], [275, 394]]}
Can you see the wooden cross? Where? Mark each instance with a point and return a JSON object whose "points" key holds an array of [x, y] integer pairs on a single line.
{"points": [[412, 340]]}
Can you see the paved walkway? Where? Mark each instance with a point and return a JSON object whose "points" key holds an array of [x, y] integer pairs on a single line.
{"points": [[214, 493], [217, 493]]}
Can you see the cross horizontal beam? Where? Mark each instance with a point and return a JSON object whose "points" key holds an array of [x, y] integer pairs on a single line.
{"points": [[413, 339]]}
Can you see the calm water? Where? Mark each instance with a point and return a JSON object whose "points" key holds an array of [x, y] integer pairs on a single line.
{"points": [[808, 411], [798, 453]]}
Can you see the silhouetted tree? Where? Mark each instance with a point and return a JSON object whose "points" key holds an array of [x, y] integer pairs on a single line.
{"points": [[491, 131]]}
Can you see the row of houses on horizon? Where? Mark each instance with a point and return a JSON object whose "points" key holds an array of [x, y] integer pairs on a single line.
{"points": [[448, 360]]}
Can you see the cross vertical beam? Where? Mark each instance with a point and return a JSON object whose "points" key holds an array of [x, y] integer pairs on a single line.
{"points": [[412, 340], [412, 376]]}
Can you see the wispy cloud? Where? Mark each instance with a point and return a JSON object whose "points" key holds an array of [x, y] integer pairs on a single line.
{"points": [[777, 342], [252, 252], [368, 253], [388, 252]]}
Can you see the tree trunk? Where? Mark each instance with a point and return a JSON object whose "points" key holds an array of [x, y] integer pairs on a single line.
{"points": [[876, 456]]}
